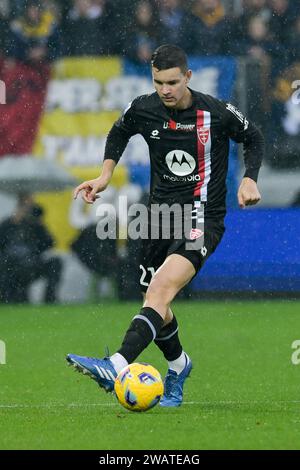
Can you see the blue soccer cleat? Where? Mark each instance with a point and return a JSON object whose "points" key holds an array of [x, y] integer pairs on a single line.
{"points": [[173, 386], [100, 370]]}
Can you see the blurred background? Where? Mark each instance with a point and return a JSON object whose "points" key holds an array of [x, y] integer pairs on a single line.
{"points": [[67, 69]]}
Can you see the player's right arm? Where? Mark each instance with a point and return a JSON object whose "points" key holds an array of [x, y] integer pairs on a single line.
{"points": [[116, 143], [90, 189]]}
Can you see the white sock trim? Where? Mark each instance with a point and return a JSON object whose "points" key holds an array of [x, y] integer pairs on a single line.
{"points": [[119, 362], [179, 364], [142, 317], [165, 338]]}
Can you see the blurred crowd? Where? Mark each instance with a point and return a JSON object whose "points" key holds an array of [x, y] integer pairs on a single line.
{"points": [[265, 32], [35, 30], [33, 33]]}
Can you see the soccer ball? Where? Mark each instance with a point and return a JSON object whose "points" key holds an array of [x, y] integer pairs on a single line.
{"points": [[139, 387]]}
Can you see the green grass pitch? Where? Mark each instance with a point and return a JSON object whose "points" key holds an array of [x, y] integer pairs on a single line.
{"points": [[244, 390]]}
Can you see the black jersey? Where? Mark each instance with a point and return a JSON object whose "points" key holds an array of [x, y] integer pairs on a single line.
{"points": [[188, 148]]}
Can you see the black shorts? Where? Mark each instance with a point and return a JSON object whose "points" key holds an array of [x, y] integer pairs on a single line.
{"points": [[154, 252]]}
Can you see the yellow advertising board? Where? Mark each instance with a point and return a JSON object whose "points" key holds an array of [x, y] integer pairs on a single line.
{"points": [[72, 131]]}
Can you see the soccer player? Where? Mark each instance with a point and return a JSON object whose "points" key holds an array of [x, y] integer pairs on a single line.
{"points": [[188, 136]]}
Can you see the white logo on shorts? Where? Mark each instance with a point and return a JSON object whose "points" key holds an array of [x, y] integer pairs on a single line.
{"points": [[203, 251], [151, 270]]}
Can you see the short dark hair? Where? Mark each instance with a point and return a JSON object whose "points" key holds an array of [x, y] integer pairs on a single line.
{"points": [[169, 56]]}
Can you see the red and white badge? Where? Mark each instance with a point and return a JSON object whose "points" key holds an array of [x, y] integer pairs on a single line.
{"points": [[203, 134]]}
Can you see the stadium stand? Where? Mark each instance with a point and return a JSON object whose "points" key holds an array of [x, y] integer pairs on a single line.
{"points": [[71, 66]]}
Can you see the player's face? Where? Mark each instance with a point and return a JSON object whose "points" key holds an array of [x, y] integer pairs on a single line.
{"points": [[171, 86]]}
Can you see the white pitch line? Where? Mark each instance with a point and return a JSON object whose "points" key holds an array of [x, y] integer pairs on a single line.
{"points": [[243, 403], [202, 403], [58, 405]]}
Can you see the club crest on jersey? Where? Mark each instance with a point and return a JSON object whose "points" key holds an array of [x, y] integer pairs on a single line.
{"points": [[203, 134], [196, 233]]}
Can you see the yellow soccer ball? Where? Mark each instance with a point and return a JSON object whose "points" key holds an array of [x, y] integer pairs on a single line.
{"points": [[139, 387]]}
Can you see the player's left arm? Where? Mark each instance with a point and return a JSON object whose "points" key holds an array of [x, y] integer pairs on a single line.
{"points": [[248, 193], [241, 130]]}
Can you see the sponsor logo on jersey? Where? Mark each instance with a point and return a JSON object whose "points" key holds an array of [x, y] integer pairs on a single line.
{"points": [[196, 233], [154, 134], [203, 134], [180, 163], [182, 178], [177, 126], [238, 114]]}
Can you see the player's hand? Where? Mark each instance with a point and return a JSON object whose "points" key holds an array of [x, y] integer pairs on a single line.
{"points": [[248, 194], [89, 189]]}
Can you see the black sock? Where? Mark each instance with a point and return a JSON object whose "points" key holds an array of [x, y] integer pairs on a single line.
{"points": [[168, 341], [143, 329]]}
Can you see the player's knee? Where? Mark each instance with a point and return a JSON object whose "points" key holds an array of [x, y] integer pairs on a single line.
{"points": [[161, 291]]}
